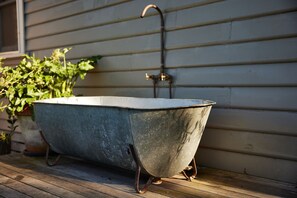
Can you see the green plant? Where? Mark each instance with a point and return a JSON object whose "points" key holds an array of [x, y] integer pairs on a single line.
{"points": [[35, 79], [6, 137]]}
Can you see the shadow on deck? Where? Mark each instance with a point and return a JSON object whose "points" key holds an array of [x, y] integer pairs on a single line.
{"points": [[22, 176]]}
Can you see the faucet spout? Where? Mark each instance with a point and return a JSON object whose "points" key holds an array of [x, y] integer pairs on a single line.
{"points": [[162, 76], [162, 32], [148, 7]]}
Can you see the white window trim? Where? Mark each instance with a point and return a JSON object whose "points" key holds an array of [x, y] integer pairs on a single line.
{"points": [[21, 32]]}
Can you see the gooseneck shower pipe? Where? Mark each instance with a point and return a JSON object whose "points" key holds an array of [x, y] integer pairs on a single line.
{"points": [[162, 76], [162, 33]]}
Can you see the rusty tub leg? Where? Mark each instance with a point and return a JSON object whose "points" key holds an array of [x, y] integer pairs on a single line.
{"points": [[137, 176], [47, 153], [47, 157], [193, 169]]}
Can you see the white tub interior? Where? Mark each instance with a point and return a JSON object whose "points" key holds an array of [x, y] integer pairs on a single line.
{"points": [[129, 102]]}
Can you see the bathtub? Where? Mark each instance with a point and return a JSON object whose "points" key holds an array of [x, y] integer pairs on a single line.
{"points": [[161, 135]]}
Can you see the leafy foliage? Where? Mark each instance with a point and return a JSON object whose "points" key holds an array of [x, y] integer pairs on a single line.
{"points": [[35, 79], [6, 137]]}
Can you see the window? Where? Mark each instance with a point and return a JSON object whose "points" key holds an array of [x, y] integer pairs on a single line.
{"points": [[11, 28]]}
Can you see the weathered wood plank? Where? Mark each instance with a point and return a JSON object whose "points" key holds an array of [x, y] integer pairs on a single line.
{"points": [[17, 143], [273, 122], [3, 116], [250, 29], [42, 174], [184, 18], [191, 192], [209, 183], [231, 10], [39, 184], [4, 124], [238, 75], [274, 98], [95, 177], [18, 137], [165, 189], [11, 61], [271, 168], [23, 188], [276, 185], [146, 61], [247, 53], [265, 27], [108, 15], [205, 35], [220, 190], [234, 76], [94, 34], [113, 47], [18, 146], [119, 79], [198, 36], [151, 61], [85, 175], [33, 6], [220, 95], [253, 186], [242, 53], [7, 192], [277, 146], [66, 10], [135, 92]]}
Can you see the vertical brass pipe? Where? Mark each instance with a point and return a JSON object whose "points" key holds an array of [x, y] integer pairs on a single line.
{"points": [[162, 33]]}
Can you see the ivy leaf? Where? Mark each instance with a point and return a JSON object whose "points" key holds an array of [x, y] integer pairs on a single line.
{"points": [[85, 66], [30, 90]]}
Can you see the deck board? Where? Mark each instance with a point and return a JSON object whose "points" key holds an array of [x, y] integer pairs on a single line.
{"points": [[8, 192], [22, 176]]}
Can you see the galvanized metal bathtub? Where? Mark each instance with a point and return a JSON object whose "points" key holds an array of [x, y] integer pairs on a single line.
{"points": [[162, 134]]}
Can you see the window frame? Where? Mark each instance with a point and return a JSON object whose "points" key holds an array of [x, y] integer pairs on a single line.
{"points": [[20, 33]]}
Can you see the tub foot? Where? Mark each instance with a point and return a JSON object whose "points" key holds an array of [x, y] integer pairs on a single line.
{"points": [[48, 148], [137, 176], [157, 181], [191, 171], [47, 157]]}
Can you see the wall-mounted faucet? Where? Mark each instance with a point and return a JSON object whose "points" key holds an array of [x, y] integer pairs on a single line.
{"points": [[162, 76]]}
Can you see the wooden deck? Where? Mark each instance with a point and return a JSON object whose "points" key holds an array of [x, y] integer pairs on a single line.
{"points": [[22, 176]]}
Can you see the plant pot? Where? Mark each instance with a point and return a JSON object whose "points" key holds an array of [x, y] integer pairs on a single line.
{"points": [[5, 147], [35, 145]]}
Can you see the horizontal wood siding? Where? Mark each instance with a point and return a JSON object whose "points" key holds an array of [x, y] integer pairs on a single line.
{"points": [[241, 54], [17, 139]]}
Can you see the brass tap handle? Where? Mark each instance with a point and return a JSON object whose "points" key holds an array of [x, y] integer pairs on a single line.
{"points": [[165, 77], [147, 77]]}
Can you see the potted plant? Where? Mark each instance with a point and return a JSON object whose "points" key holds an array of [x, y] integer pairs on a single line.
{"points": [[35, 79], [5, 137]]}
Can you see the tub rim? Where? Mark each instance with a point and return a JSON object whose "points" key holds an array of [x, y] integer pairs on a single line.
{"points": [[73, 101]]}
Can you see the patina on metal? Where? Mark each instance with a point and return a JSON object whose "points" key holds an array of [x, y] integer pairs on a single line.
{"points": [[164, 133]]}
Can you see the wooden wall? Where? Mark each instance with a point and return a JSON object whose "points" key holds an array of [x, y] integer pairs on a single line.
{"points": [[241, 54]]}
